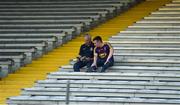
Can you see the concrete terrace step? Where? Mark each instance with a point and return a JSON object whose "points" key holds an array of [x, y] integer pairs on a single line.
{"points": [[145, 38], [172, 5], [164, 15], [156, 24], [79, 92], [115, 76], [147, 62], [88, 101], [78, 20], [18, 50], [52, 17], [87, 22], [147, 54], [59, 37], [158, 12], [108, 84], [148, 44], [5, 67], [41, 25], [147, 34], [70, 2], [63, 5], [168, 9], [110, 9], [142, 31], [50, 12], [146, 50], [132, 69], [158, 21], [153, 29], [69, 30], [163, 18]]}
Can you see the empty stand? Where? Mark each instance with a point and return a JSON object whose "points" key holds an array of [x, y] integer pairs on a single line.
{"points": [[146, 70], [29, 29]]}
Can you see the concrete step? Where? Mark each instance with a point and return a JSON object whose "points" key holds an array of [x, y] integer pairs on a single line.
{"points": [[158, 21], [158, 12], [175, 1], [146, 62], [161, 17], [5, 67], [110, 9], [60, 38], [115, 76], [145, 34], [39, 45], [170, 10], [42, 25], [102, 13], [142, 69], [108, 84], [55, 11], [17, 59], [95, 17], [154, 32], [152, 29], [172, 5], [72, 1], [65, 2], [167, 9], [57, 4], [45, 21], [145, 38], [156, 24], [165, 15], [153, 50], [63, 5], [39, 26], [52, 39], [148, 44], [54, 17], [21, 28], [148, 55], [87, 22], [89, 101], [131, 69], [69, 30], [50, 42], [89, 92]]}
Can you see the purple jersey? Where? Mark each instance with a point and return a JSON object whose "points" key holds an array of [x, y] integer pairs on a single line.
{"points": [[103, 52]]}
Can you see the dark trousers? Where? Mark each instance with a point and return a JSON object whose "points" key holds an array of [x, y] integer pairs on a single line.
{"points": [[100, 63], [78, 65]]}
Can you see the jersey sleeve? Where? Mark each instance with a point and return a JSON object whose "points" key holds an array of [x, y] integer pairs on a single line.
{"points": [[109, 45]]}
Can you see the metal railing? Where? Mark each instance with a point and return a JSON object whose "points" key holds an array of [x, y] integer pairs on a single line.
{"points": [[67, 92]]}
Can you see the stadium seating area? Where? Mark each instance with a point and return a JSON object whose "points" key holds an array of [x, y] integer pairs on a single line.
{"points": [[146, 70], [29, 29]]}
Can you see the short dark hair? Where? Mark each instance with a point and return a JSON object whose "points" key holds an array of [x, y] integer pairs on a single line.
{"points": [[97, 38]]}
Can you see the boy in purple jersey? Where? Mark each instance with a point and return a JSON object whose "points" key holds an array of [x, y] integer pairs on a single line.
{"points": [[103, 55]]}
